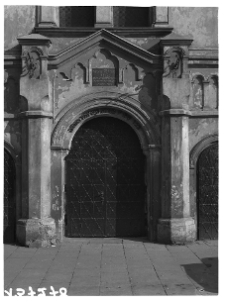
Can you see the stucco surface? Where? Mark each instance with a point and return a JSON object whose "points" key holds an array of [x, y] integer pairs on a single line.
{"points": [[19, 20], [198, 22], [200, 129]]}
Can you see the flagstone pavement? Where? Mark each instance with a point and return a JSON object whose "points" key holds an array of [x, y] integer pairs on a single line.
{"points": [[112, 267]]}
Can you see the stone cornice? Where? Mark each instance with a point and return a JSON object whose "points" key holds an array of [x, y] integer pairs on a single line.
{"points": [[120, 31], [35, 114], [190, 113], [34, 39], [175, 39], [203, 58], [106, 37]]}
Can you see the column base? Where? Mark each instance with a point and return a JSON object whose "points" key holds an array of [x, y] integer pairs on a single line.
{"points": [[36, 232], [176, 231]]}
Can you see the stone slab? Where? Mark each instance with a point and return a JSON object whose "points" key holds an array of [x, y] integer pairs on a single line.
{"points": [[115, 269]]}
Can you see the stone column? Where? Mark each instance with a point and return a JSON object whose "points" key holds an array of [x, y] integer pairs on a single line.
{"points": [[104, 17], [36, 227], [47, 16], [175, 224]]}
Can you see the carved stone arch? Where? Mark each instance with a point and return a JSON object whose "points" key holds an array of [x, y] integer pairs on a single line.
{"points": [[121, 107], [97, 60], [199, 147], [77, 113], [108, 55], [197, 88], [79, 66]]}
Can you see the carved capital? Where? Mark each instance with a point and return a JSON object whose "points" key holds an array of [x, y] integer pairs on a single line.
{"points": [[31, 64], [173, 63]]}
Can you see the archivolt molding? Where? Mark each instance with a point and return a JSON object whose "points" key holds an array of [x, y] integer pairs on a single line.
{"points": [[108, 104], [199, 147]]}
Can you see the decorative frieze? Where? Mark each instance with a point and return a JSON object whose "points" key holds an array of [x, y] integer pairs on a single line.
{"points": [[102, 111]]}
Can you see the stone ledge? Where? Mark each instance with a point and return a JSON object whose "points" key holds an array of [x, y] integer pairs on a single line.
{"points": [[190, 113], [33, 114]]}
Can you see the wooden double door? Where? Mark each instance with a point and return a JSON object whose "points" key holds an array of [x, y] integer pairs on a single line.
{"points": [[105, 188]]}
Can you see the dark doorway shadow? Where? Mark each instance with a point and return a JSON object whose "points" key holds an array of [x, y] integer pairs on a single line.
{"points": [[205, 274]]}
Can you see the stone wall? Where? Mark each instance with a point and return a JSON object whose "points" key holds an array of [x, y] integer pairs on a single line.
{"points": [[201, 23], [19, 21]]}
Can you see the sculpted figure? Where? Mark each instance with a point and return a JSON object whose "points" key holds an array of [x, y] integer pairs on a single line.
{"points": [[173, 67]]}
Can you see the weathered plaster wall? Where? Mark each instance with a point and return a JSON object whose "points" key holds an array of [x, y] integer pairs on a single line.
{"points": [[201, 23], [200, 128], [138, 81], [19, 21]]}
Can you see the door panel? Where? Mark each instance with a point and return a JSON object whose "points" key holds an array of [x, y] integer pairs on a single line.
{"points": [[105, 181], [208, 193]]}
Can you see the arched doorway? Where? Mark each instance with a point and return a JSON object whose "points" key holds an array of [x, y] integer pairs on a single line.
{"points": [[9, 198], [105, 190], [207, 194]]}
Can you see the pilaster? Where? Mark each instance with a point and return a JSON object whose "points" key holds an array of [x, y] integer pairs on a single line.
{"points": [[47, 16], [104, 16], [175, 224], [161, 16], [36, 227]]}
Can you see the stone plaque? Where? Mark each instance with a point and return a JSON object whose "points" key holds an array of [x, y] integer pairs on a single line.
{"points": [[103, 76]]}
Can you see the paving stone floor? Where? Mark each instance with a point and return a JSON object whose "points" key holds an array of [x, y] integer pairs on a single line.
{"points": [[112, 267]]}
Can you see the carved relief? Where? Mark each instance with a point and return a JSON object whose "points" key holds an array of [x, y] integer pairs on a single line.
{"points": [[198, 91], [205, 92], [78, 72], [173, 63], [108, 64], [31, 65], [214, 91], [100, 112]]}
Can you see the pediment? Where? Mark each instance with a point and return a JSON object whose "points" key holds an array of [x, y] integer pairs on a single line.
{"points": [[103, 39]]}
